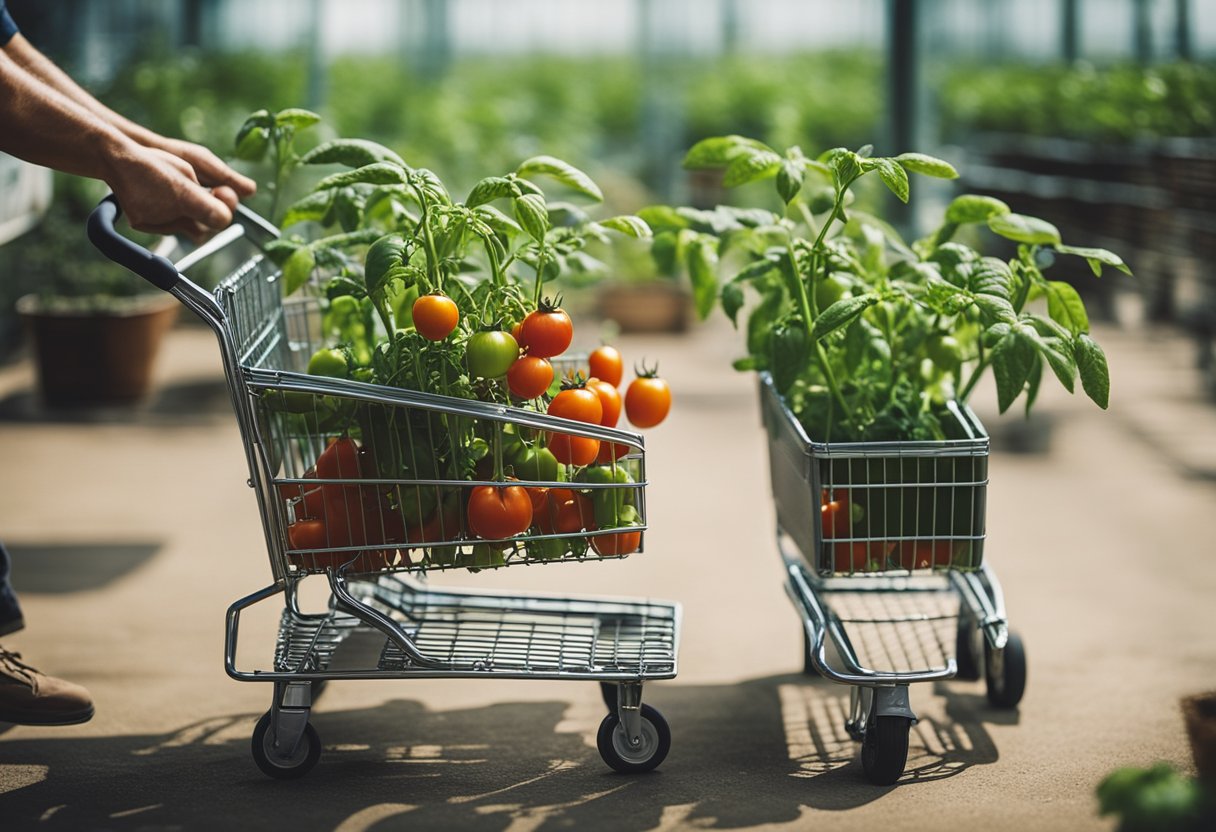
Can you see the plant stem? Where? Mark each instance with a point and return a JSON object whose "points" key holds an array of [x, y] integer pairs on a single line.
{"points": [[540, 268]]}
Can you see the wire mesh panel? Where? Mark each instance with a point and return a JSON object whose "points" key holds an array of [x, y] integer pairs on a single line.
{"points": [[861, 507]]}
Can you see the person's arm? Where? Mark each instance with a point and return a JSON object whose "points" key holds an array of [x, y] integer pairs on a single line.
{"points": [[158, 191], [210, 169]]}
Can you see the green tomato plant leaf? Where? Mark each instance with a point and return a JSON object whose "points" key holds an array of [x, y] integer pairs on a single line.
{"points": [[1091, 364], [971, 208], [841, 313], [927, 165], [1024, 229], [353, 153], [1097, 258], [563, 172]]}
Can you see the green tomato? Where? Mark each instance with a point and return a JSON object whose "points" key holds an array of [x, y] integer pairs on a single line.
{"points": [[536, 464], [944, 351], [829, 290], [545, 549], [491, 353], [344, 306], [328, 362]]}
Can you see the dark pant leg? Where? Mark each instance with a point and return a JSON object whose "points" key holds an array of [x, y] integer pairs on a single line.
{"points": [[10, 611]]}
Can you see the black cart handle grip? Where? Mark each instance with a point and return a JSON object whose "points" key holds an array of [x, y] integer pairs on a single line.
{"points": [[151, 267]]}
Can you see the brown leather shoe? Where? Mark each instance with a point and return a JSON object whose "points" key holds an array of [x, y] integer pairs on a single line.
{"points": [[28, 697]]}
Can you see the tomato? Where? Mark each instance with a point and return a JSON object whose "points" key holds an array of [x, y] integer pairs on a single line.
{"points": [[566, 512], [924, 554], [829, 290], [499, 511], [435, 316], [539, 497], [610, 401], [610, 452], [647, 400], [490, 353], [944, 351], [617, 545], [578, 403], [537, 464], [328, 362], [547, 331], [529, 377], [339, 460], [307, 534], [850, 557], [836, 515], [606, 364], [573, 450]]}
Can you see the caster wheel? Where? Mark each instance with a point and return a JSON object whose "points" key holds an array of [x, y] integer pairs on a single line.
{"points": [[274, 762], [884, 749], [964, 650], [1005, 672], [608, 694], [626, 758]]}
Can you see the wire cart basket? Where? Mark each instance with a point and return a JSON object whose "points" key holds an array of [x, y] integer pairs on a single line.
{"points": [[329, 507], [882, 544]]}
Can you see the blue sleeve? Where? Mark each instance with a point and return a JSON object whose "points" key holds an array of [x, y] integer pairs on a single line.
{"points": [[7, 27]]}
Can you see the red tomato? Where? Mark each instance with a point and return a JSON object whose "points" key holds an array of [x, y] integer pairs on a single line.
{"points": [[435, 316], [610, 401], [617, 545], [836, 514], [611, 451], [566, 512], [497, 512], [547, 331], [339, 460], [605, 363], [578, 403], [529, 377], [647, 400], [573, 450], [307, 534]]}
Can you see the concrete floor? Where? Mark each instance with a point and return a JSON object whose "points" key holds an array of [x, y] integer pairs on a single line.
{"points": [[132, 533]]}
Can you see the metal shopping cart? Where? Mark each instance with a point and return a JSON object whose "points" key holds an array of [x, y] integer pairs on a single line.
{"points": [[882, 544], [379, 535]]}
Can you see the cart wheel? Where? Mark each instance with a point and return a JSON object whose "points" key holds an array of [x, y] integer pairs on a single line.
{"points": [[620, 755], [964, 650], [608, 693], [1005, 672], [273, 762], [884, 749]]}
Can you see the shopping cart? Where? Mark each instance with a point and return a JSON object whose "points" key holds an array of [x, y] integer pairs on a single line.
{"points": [[379, 534], [882, 544]]}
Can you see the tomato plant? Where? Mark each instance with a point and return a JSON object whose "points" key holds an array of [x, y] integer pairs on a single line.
{"points": [[606, 364], [647, 399]]}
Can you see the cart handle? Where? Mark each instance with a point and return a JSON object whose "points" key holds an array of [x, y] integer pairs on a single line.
{"points": [[154, 268]]}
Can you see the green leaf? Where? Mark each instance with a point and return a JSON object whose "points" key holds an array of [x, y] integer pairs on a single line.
{"points": [[296, 118], [257, 119], [1023, 229], [354, 153], [563, 172], [841, 313], [1013, 360], [1033, 383], [927, 165], [298, 269], [894, 176], [1091, 363], [747, 364], [702, 259], [628, 225], [385, 258], [1097, 258], [532, 215], [497, 220], [718, 151], [252, 145], [490, 189], [1066, 308], [311, 208], [377, 173], [969, 208], [995, 308], [789, 352], [789, 179], [732, 300], [750, 166], [846, 165], [760, 322], [663, 218]]}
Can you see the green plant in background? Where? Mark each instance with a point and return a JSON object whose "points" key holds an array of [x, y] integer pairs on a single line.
{"points": [[1155, 799], [866, 336], [1117, 104]]}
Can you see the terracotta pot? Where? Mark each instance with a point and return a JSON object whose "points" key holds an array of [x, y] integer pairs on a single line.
{"points": [[646, 307], [97, 357], [1199, 712]]}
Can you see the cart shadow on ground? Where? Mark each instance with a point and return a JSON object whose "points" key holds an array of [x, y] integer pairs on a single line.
{"points": [[762, 751]]}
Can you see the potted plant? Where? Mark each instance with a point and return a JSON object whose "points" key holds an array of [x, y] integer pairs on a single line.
{"points": [[93, 329]]}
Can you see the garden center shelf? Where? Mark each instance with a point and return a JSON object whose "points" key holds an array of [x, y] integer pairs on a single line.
{"points": [[373, 532]]}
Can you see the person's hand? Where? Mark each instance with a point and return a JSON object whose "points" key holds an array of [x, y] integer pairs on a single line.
{"points": [[209, 168], [160, 193]]}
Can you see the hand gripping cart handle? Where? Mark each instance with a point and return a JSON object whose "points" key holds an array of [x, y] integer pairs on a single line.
{"points": [[375, 561]]}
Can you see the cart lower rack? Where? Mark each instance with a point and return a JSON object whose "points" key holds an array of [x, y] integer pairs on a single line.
{"points": [[372, 533]]}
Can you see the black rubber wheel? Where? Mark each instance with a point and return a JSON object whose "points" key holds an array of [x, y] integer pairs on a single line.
{"points": [[1005, 672], [964, 650], [608, 694], [621, 756], [275, 764], [884, 749]]}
